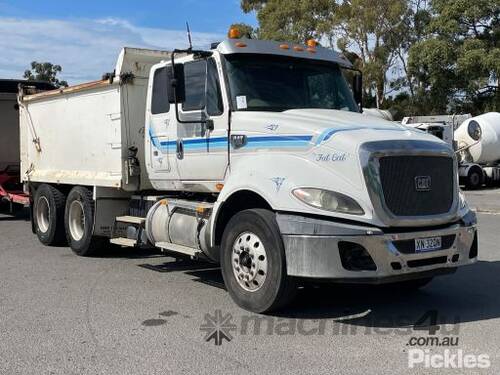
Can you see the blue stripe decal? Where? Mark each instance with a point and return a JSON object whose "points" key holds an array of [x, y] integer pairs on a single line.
{"points": [[279, 138], [221, 142], [154, 141], [328, 133]]}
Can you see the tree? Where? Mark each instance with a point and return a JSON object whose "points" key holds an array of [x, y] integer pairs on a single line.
{"points": [[460, 56], [376, 29], [294, 21], [46, 72], [426, 56], [365, 26]]}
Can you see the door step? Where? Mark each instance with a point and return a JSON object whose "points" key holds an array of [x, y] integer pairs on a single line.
{"points": [[122, 241], [131, 219], [179, 248]]}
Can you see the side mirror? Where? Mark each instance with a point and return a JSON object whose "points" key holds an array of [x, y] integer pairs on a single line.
{"points": [[357, 88], [176, 89]]}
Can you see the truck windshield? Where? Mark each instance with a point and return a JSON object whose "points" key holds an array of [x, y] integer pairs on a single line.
{"points": [[278, 83]]}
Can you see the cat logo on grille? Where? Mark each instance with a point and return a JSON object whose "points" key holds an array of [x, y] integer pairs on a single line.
{"points": [[423, 183]]}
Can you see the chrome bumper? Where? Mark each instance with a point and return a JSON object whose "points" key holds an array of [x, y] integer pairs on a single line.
{"points": [[312, 250]]}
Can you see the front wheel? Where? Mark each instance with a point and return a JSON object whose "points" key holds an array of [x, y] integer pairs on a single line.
{"points": [[253, 262]]}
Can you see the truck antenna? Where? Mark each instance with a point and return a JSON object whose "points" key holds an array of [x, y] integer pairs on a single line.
{"points": [[189, 36]]}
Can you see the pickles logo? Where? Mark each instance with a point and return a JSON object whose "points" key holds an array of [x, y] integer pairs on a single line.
{"points": [[449, 359], [218, 327]]}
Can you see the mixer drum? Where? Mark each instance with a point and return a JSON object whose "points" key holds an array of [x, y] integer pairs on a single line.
{"points": [[487, 150]]}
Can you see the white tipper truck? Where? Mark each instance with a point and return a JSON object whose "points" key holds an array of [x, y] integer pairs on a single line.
{"points": [[252, 154]]}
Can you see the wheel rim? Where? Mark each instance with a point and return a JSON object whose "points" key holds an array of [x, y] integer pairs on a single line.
{"points": [[249, 261], [43, 214], [76, 220]]}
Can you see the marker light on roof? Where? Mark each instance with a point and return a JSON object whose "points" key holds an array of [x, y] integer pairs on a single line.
{"points": [[298, 48], [234, 33], [240, 44], [311, 43], [284, 46]]}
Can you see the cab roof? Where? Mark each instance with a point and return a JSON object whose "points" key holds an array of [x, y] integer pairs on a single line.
{"points": [[255, 46]]}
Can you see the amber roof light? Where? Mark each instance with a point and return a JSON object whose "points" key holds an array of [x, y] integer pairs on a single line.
{"points": [[234, 33], [311, 43]]}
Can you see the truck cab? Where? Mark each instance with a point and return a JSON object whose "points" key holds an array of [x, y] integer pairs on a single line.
{"points": [[276, 126]]}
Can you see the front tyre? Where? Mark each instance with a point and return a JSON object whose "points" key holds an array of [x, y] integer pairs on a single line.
{"points": [[79, 223], [253, 262]]}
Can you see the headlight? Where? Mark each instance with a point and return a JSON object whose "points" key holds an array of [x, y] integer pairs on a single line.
{"points": [[328, 200], [474, 130]]}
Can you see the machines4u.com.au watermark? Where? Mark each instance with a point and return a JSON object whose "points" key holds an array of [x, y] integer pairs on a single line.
{"points": [[434, 341]]}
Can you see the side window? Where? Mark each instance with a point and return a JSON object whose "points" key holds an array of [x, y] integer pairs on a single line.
{"points": [[214, 95], [159, 101], [194, 82]]}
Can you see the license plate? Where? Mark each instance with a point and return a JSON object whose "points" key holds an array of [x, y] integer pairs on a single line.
{"points": [[427, 244]]}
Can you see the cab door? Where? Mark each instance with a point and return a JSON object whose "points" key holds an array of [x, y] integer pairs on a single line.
{"points": [[201, 147], [159, 122]]}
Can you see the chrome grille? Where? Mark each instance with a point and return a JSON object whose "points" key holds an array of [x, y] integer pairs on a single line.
{"points": [[403, 196]]}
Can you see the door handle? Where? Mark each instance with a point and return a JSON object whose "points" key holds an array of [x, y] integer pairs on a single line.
{"points": [[180, 149]]}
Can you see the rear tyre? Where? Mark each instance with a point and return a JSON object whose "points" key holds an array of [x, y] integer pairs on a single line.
{"points": [[48, 215], [79, 223], [474, 178], [253, 262]]}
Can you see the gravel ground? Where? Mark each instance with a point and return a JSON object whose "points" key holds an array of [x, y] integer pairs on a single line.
{"points": [[137, 312]]}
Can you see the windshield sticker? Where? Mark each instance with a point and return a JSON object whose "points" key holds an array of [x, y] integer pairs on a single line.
{"points": [[241, 102]]}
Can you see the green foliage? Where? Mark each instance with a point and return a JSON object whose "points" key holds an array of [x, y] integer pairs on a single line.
{"points": [[419, 56], [459, 56], [374, 28], [294, 21], [46, 72]]}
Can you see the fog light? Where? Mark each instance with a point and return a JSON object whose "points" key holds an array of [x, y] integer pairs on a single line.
{"points": [[396, 266], [354, 257]]}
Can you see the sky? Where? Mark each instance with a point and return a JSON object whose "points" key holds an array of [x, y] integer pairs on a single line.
{"points": [[85, 37]]}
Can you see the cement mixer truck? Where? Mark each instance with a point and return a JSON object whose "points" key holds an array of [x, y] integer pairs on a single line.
{"points": [[478, 146], [476, 141]]}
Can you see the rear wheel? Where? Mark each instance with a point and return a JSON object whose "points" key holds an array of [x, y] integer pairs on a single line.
{"points": [[48, 215], [474, 178], [253, 262], [79, 223]]}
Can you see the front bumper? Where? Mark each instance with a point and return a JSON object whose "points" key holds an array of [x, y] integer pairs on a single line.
{"points": [[312, 250]]}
